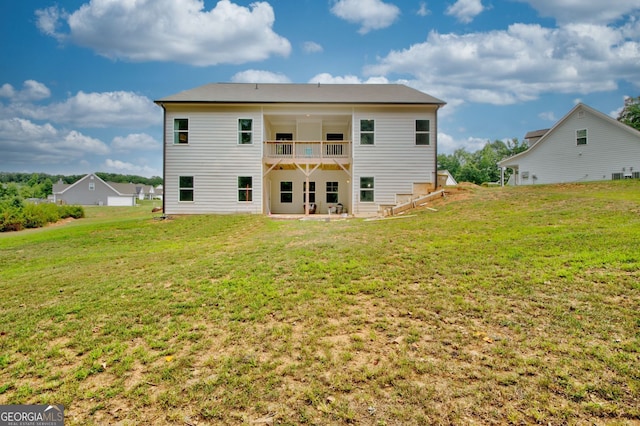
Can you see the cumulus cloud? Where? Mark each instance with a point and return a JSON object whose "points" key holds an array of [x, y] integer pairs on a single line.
{"points": [[326, 78], [447, 144], [548, 116], [518, 64], [311, 47], [105, 109], [31, 91], [465, 10], [565, 11], [135, 142], [423, 10], [259, 76], [28, 143], [118, 166], [369, 14], [169, 30]]}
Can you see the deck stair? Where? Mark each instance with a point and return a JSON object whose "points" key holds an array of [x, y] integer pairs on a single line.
{"points": [[412, 204]]}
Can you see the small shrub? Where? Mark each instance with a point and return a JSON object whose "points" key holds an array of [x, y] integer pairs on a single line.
{"points": [[76, 212], [11, 219]]}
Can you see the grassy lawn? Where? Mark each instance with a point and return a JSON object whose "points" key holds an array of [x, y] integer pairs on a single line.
{"points": [[494, 306]]}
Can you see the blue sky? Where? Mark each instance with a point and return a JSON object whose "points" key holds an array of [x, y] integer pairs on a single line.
{"points": [[78, 77]]}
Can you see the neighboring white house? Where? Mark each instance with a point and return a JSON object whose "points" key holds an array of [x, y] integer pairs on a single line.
{"points": [[585, 145], [268, 148], [91, 190]]}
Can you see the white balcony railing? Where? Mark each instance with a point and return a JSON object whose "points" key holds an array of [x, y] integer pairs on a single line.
{"points": [[307, 150]]}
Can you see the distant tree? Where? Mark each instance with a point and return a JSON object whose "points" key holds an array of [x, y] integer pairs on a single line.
{"points": [[630, 114]]}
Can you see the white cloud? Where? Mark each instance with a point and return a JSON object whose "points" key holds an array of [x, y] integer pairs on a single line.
{"points": [[169, 30], [136, 142], [118, 166], [32, 91], [325, 78], [548, 116], [24, 142], [447, 144], [311, 47], [259, 76], [565, 11], [370, 14], [516, 65], [423, 10], [465, 10], [106, 109]]}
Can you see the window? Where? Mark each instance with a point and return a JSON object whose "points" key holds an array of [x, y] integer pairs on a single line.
{"points": [[245, 126], [335, 136], [366, 132], [312, 192], [332, 192], [423, 132], [366, 189], [186, 188], [180, 131], [581, 137], [92, 186], [245, 189], [286, 192], [284, 136]]}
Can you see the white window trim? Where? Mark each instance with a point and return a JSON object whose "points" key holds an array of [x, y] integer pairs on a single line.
{"points": [[372, 190], [240, 132], [181, 131]]}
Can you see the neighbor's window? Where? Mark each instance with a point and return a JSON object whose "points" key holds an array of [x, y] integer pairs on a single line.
{"points": [[581, 137], [332, 192], [312, 192], [186, 188], [366, 189], [245, 131], [423, 132], [92, 186], [286, 192], [181, 131], [366, 132], [245, 188]]}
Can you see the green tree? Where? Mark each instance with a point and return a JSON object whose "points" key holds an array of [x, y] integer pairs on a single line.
{"points": [[630, 114]]}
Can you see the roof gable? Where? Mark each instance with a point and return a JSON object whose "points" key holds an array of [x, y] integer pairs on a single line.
{"points": [[303, 93]]}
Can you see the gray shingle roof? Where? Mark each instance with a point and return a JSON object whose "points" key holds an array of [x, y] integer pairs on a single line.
{"points": [[302, 93]]}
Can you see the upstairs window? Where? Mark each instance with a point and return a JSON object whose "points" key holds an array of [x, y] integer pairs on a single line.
{"points": [[423, 132], [186, 188], [245, 131], [181, 131], [92, 186], [366, 189], [245, 189], [581, 137], [366, 132]]}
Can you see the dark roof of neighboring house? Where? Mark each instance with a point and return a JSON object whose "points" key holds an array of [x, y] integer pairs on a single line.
{"points": [[302, 93], [536, 134]]}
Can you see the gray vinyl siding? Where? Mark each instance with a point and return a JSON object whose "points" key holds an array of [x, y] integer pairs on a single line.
{"points": [[215, 160], [558, 158], [394, 160]]}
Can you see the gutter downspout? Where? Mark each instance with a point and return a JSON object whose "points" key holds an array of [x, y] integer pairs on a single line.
{"points": [[435, 186]]}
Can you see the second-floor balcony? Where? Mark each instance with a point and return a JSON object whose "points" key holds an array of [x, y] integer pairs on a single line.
{"points": [[308, 151]]}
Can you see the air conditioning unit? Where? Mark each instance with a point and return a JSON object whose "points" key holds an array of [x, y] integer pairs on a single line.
{"points": [[617, 176], [636, 175]]}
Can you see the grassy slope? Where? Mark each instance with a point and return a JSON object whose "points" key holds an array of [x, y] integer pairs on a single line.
{"points": [[506, 305]]}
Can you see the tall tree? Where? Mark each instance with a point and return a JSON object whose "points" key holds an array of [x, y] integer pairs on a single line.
{"points": [[630, 114]]}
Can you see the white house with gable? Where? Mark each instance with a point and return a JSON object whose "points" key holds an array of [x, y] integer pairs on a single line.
{"points": [[297, 148], [585, 145]]}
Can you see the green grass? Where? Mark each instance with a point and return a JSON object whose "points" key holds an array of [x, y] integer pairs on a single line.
{"points": [[506, 305]]}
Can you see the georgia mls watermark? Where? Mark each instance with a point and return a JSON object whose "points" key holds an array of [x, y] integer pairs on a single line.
{"points": [[31, 415]]}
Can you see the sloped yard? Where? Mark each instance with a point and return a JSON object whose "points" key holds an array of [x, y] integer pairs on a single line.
{"points": [[493, 306]]}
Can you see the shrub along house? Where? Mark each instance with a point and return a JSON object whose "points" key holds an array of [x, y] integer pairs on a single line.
{"points": [[294, 148]]}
